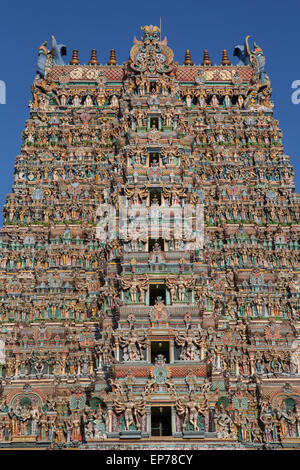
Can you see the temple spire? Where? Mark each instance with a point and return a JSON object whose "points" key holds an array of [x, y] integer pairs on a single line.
{"points": [[112, 58], [75, 60], [188, 59], [206, 60], [225, 58], [93, 59]]}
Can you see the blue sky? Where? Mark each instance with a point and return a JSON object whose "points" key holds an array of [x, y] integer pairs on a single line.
{"points": [[195, 25]]}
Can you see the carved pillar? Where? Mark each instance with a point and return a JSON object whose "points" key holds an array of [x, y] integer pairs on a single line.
{"points": [[148, 420], [173, 419], [172, 348], [252, 362], [212, 427], [117, 346]]}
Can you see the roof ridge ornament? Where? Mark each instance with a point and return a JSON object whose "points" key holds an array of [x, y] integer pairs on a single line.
{"points": [[150, 54], [255, 58], [46, 57]]}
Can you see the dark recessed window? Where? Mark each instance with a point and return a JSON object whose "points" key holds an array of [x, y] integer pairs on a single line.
{"points": [[156, 291], [161, 424], [154, 122], [160, 348]]}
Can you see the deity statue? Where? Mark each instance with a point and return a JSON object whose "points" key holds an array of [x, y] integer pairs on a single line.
{"points": [[135, 284], [191, 407], [190, 343], [132, 344], [224, 424], [131, 407]]}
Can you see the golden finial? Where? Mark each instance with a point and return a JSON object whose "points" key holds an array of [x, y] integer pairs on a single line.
{"points": [[188, 59], [206, 59], [75, 60], [112, 58], [93, 59], [225, 58]]}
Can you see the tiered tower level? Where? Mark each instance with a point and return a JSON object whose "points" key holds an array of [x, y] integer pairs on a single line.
{"points": [[128, 332]]}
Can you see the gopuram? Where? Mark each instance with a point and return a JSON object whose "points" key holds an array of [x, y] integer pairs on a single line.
{"points": [[149, 294]]}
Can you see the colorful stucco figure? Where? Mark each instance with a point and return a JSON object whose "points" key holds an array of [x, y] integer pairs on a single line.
{"points": [[55, 56]]}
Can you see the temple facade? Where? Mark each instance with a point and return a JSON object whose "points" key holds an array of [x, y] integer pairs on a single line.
{"points": [[149, 259]]}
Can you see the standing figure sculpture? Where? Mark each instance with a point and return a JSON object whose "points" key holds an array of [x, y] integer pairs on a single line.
{"points": [[131, 408], [191, 408], [132, 344], [190, 343]]}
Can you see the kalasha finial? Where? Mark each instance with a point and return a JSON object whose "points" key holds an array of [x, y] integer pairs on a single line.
{"points": [[112, 58], [93, 59], [75, 60], [225, 58], [188, 59], [206, 60]]}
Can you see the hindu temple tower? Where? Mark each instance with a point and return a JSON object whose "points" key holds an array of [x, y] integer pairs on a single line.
{"points": [[149, 259]]}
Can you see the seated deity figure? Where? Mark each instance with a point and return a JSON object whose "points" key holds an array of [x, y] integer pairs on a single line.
{"points": [[114, 102], [88, 101], [188, 101], [214, 101], [76, 101], [63, 100]]}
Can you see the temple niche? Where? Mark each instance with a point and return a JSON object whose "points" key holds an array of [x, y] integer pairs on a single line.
{"points": [[149, 263]]}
